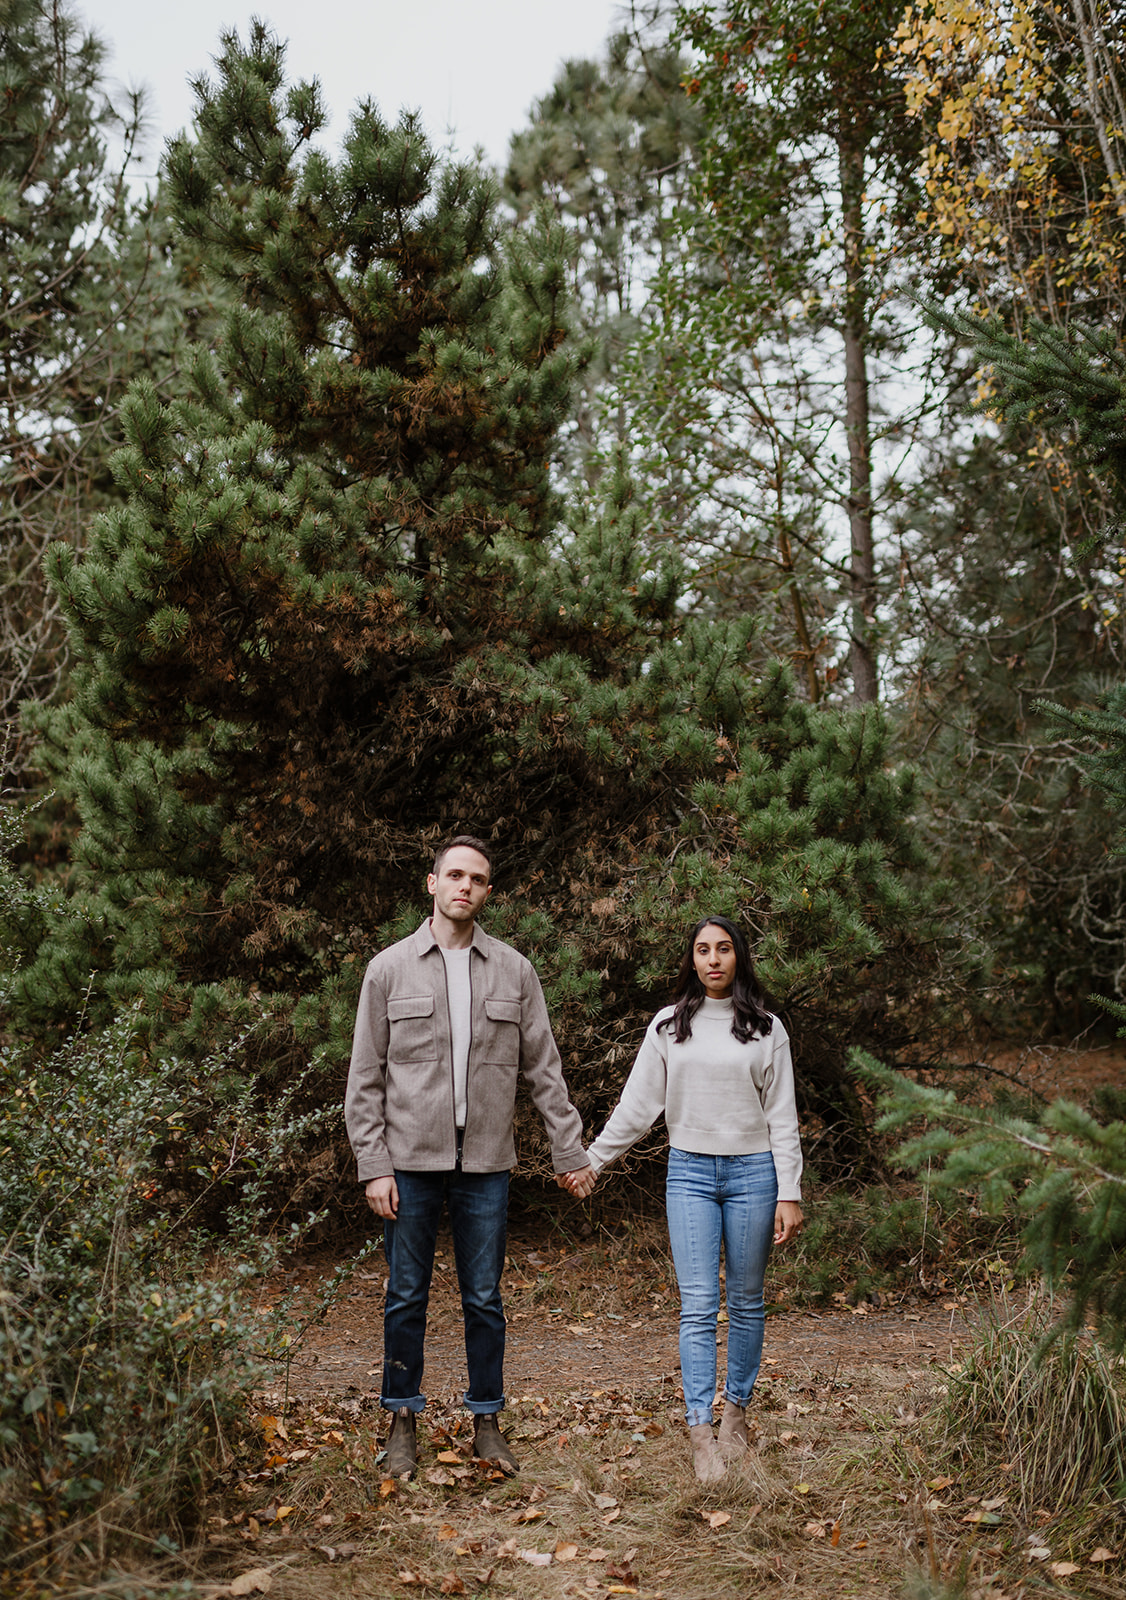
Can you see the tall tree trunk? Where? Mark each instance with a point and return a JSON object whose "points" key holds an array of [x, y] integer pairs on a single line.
{"points": [[862, 650]]}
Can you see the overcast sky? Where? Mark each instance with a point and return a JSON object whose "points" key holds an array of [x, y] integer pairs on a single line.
{"points": [[472, 67]]}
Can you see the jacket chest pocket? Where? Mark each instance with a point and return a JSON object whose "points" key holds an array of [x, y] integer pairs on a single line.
{"points": [[502, 1041], [411, 1021]]}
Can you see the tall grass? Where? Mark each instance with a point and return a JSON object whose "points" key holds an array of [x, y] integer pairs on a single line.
{"points": [[1049, 1406]]}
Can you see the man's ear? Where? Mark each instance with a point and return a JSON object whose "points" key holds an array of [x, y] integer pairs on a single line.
{"points": [[432, 883]]}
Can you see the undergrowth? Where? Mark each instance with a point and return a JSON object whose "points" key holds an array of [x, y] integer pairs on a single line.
{"points": [[127, 1346]]}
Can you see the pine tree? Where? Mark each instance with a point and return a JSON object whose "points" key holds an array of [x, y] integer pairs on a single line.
{"points": [[89, 298], [1063, 1175], [342, 615], [1008, 604], [610, 149], [781, 382]]}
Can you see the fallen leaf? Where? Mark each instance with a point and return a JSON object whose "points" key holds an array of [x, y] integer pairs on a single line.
{"points": [[619, 1588], [536, 1558], [388, 1486], [940, 1483], [566, 1552], [1101, 1554], [815, 1530], [508, 1549], [446, 1532], [1064, 1569], [835, 1534], [1039, 1552], [451, 1584], [598, 1555], [337, 1552], [405, 1575], [604, 1501], [716, 1519], [993, 1505], [248, 1582], [612, 1516], [450, 1457], [860, 1544], [433, 1475], [529, 1515], [802, 1488], [988, 1519]]}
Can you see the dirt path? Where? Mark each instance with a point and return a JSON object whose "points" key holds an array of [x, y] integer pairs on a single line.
{"points": [[577, 1330]]}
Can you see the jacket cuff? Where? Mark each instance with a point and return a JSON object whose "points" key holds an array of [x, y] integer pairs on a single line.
{"points": [[374, 1168], [570, 1160]]}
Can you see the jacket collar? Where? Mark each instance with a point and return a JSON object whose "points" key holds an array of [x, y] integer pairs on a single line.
{"points": [[424, 940]]}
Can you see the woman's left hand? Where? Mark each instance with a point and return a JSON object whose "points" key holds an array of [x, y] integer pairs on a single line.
{"points": [[787, 1221]]}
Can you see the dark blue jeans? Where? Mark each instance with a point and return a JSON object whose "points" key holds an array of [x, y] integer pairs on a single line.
{"points": [[478, 1210]]}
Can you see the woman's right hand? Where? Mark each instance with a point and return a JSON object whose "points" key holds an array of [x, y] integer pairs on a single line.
{"points": [[788, 1221], [579, 1183]]}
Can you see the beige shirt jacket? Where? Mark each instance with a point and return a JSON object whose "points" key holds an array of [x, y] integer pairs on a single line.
{"points": [[399, 1104]]}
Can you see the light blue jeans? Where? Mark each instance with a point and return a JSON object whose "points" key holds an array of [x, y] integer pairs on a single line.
{"points": [[712, 1199]]}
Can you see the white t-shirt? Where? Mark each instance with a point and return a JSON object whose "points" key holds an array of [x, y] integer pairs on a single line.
{"points": [[460, 997]]}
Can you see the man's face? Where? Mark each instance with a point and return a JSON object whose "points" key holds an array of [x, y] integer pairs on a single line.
{"points": [[461, 885]]}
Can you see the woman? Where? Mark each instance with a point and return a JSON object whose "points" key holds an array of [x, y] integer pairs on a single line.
{"points": [[717, 1064]]}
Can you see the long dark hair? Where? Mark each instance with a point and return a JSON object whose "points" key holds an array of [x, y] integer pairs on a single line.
{"points": [[751, 1015]]}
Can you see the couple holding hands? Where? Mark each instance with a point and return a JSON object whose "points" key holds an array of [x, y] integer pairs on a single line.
{"points": [[448, 1019]]}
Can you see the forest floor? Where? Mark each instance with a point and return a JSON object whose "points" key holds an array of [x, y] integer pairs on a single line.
{"points": [[848, 1490]]}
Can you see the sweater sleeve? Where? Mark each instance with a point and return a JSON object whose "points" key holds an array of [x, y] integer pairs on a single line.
{"points": [[780, 1109], [642, 1100]]}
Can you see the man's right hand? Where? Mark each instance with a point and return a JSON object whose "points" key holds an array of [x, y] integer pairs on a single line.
{"points": [[383, 1197]]}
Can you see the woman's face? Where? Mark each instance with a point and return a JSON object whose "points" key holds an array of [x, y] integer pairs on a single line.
{"points": [[714, 955]]}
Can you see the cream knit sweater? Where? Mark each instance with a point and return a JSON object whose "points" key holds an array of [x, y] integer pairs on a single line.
{"points": [[719, 1097]]}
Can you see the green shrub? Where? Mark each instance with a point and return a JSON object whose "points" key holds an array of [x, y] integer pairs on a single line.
{"points": [[128, 1341], [860, 1243]]}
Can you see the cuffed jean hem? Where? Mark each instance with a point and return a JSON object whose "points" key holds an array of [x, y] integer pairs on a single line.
{"points": [[483, 1408], [415, 1403], [697, 1418]]}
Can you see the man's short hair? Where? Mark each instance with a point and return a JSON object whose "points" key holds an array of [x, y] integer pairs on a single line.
{"points": [[467, 841]]}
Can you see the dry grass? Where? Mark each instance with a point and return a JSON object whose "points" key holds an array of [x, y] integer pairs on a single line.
{"points": [[837, 1499]]}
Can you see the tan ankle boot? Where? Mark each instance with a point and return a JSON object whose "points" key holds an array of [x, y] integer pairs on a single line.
{"points": [[705, 1457], [402, 1445], [732, 1441], [490, 1445]]}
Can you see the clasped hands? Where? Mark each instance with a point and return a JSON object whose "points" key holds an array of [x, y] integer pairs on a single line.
{"points": [[579, 1183]]}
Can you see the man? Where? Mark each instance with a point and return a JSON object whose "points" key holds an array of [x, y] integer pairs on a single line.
{"points": [[447, 1019]]}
